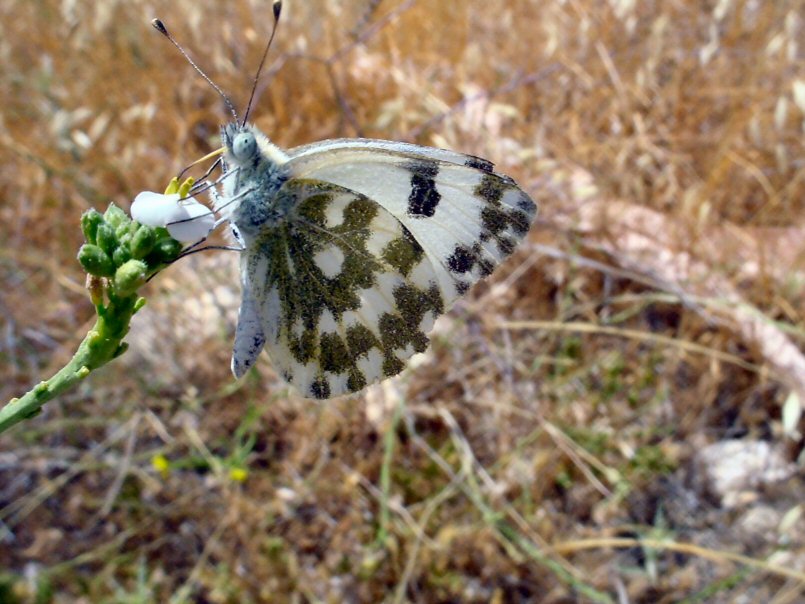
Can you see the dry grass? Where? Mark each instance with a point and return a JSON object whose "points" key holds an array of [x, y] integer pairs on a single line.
{"points": [[542, 451]]}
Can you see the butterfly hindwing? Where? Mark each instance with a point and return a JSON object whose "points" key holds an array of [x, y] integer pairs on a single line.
{"points": [[342, 292]]}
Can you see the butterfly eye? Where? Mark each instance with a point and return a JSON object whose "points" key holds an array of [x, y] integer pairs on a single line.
{"points": [[244, 145]]}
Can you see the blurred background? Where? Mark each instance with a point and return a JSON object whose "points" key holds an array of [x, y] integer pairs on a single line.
{"points": [[614, 416]]}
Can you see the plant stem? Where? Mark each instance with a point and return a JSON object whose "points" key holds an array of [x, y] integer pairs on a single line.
{"points": [[102, 343]]}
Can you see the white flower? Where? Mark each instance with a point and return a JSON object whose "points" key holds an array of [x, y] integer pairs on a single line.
{"points": [[186, 220]]}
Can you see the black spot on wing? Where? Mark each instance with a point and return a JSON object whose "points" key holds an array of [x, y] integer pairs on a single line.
{"points": [[423, 167], [412, 304], [506, 245], [320, 388], [520, 222], [479, 163], [334, 356], [360, 340], [392, 365], [358, 214], [494, 219], [514, 215], [403, 253], [461, 260], [486, 267], [464, 259], [303, 347], [356, 381], [491, 188], [401, 329], [526, 204], [424, 196], [395, 332]]}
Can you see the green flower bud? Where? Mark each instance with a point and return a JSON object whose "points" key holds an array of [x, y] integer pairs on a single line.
{"points": [[143, 242], [105, 238], [130, 276], [95, 261], [125, 228], [165, 250], [121, 255], [115, 216], [124, 240], [161, 233], [89, 224]]}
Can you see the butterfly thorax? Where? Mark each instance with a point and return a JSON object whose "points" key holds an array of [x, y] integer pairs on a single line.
{"points": [[255, 169]]}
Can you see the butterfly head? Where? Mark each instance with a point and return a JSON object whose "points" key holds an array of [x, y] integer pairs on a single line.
{"points": [[246, 146], [240, 143]]}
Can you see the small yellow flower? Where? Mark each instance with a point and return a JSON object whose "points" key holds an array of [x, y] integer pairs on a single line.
{"points": [[161, 464], [238, 474]]}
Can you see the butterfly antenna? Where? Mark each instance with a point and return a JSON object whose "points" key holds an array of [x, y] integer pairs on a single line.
{"points": [[160, 27], [277, 10]]}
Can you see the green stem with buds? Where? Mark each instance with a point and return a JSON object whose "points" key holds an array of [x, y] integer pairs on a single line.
{"points": [[103, 343], [119, 256]]}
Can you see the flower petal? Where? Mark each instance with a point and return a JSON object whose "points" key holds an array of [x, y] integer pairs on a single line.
{"points": [[195, 223], [155, 209], [186, 220]]}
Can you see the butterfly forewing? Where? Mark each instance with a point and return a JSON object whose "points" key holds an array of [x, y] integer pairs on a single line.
{"points": [[342, 292], [466, 217]]}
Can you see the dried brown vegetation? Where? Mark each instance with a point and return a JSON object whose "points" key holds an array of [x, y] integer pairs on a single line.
{"points": [[545, 449]]}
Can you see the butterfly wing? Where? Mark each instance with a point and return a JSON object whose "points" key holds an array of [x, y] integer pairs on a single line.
{"points": [[383, 237], [340, 293], [466, 217]]}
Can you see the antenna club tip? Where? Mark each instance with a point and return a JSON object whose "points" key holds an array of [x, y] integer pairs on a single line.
{"points": [[159, 26], [277, 9]]}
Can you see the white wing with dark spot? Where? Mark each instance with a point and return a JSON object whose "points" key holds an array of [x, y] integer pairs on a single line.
{"points": [[465, 216], [354, 247], [334, 291]]}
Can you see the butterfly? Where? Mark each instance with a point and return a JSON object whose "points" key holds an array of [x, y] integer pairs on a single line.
{"points": [[351, 248]]}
